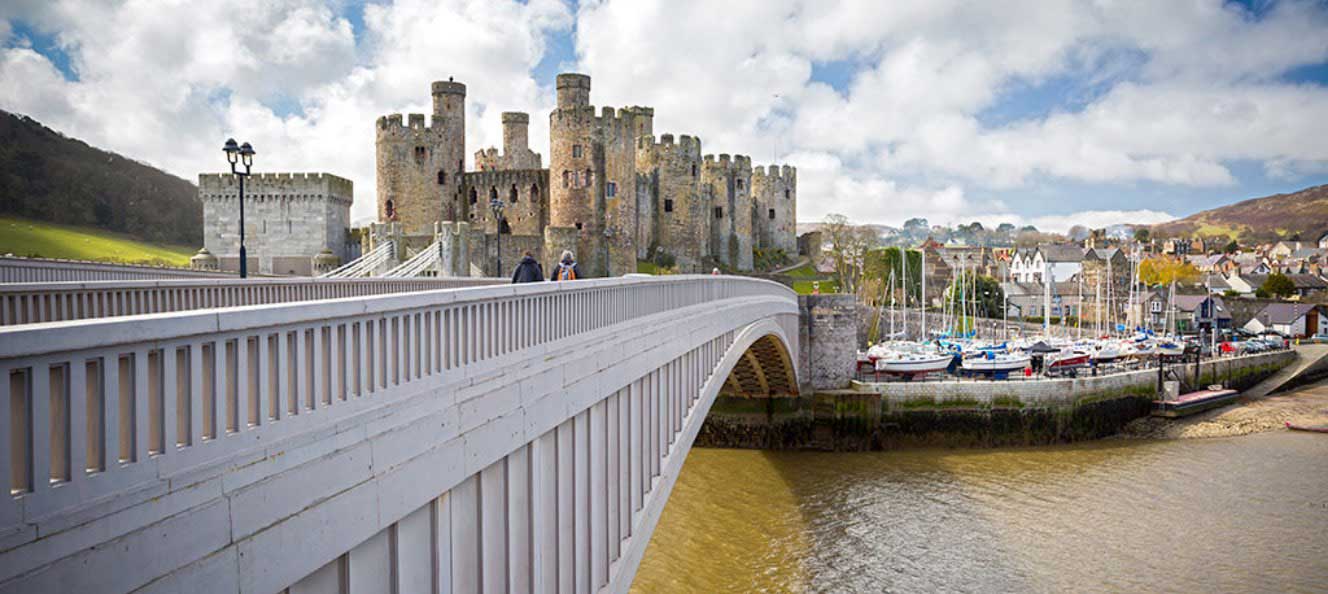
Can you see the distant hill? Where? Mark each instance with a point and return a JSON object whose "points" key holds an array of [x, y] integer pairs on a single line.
{"points": [[47, 176], [1270, 218]]}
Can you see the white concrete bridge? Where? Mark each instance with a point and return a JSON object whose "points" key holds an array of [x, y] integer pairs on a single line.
{"points": [[516, 438]]}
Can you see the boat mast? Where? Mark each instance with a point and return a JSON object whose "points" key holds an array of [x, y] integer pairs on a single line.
{"points": [[903, 267], [922, 307], [1046, 299], [1079, 319], [1005, 304]]}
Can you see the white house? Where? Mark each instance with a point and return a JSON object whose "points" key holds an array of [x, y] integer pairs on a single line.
{"points": [[1287, 319], [1030, 265]]}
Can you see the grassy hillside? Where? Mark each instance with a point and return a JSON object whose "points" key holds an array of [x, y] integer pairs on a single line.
{"points": [[1281, 216], [25, 237], [47, 176]]}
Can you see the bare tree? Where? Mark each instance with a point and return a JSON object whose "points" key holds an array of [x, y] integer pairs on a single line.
{"points": [[847, 245]]}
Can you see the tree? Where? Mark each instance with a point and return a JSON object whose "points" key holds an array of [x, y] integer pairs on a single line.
{"points": [[1141, 235], [1164, 270], [1231, 247], [1078, 233], [847, 245], [1278, 285]]}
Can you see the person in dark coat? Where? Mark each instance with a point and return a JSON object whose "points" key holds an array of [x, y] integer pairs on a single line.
{"points": [[528, 271], [566, 268]]}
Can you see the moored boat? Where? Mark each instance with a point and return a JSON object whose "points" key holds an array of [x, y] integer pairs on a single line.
{"points": [[1310, 428], [911, 364], [994, 363]]}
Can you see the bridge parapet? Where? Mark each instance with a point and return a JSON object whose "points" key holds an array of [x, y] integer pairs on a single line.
{"points": [[181, 421], [31, 303]]}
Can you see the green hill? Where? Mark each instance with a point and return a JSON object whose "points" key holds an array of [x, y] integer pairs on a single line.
{"points": [[1281, 216], [46, 176], [25, 237]]}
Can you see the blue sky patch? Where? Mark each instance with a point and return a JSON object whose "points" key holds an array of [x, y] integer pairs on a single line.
{"points": [[45, 44]]}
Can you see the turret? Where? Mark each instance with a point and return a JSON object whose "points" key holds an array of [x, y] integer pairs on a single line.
{"points": [[420, 164], [516, 137], [573, 90]]}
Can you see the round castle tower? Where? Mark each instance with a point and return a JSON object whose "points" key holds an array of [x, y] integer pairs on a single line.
{"points": [[776, 197], [729, 183], [675, 216], [592, 179], [420, 166]]}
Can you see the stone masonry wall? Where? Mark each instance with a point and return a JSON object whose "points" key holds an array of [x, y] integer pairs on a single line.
{"points": [[288, 216], [774, 192], [526, 215], [729, 180], [671, 176], [827, 328]]}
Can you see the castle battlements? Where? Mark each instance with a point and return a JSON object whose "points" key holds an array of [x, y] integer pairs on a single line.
{"points": [[414, 125], [786, 173], [731, 163], [279, 186], [688, 146]]}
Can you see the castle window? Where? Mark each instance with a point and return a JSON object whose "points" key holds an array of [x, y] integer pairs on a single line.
{"points": [[534, 193], [719, 212], [693, 169], [786, 194], [567, 178], [739, 184], [390, 210], [512, 194], [772, 214], [578, 225], [442, 177], [589, 180], [576, 151], [420, 154], [611, 189], [493, 194], [668, 206], [474, 197]]}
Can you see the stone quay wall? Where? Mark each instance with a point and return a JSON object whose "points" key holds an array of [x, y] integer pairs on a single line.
{"points": [[963, 413]]}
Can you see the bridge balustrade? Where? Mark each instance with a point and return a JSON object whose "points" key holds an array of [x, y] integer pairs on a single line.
{"points": [[101, 415], [24, 303], [35, 270]]}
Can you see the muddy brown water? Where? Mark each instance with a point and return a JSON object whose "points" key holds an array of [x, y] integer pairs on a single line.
{"points": [[1239, 514]]}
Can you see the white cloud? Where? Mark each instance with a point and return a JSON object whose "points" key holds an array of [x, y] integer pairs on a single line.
{"points": [[154, 85], [1170, 93]]}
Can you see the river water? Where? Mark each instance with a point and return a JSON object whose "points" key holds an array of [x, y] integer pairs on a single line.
{"points": [[1243, 514]]}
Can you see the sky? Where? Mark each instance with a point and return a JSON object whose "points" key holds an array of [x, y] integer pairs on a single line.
{"points": [[1043, 112]]}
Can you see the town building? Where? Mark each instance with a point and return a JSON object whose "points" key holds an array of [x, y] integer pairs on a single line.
{"points": [[1288, 319]]}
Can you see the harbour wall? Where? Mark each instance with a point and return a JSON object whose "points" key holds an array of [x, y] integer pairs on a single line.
{"points": [[879, 416]]}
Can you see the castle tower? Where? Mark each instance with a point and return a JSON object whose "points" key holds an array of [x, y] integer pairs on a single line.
{"points": [[516, 132], [673, 213], [516, 147], [420, 166], [728, 183], [775, 192], [592, 174]]}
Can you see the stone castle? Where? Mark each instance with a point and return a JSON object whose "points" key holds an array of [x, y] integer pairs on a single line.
{"points": [[613, 192]]}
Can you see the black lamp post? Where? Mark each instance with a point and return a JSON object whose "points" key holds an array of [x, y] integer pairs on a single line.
{"points": [[241, 154], [496, 206]]}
